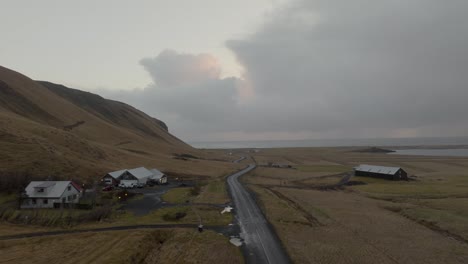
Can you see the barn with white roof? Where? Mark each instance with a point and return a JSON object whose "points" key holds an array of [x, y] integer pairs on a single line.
{"points": [[390, 173], [112, 178], [158, 177], [136, 176], [133, 177]]}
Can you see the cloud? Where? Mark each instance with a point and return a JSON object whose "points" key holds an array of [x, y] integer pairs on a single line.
{"points": [[348, 67], [187, 93], [324, 68], [172, 69]]}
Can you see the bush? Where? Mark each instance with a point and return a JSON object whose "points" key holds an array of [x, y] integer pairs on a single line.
{"points": [[174, 216], [195, 190]]}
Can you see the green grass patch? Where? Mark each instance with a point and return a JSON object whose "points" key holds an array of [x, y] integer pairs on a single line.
{"points": [[454, 223], [54, 217], [324, 168], [423, 189], [213, 192], [178, 195]]}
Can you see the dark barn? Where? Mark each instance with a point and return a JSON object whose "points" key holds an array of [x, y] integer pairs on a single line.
{"points": [[112, 178], [389, 173]]}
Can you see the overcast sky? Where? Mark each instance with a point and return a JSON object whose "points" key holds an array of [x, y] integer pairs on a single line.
{"points": [[250, 70]]}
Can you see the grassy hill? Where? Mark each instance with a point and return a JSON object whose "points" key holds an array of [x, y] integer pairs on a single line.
{"points": [[48, 129]]}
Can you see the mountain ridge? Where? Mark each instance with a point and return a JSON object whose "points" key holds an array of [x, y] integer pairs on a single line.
{"points": [[49, 129]]}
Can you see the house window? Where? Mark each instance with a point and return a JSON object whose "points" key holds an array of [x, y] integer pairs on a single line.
{"points": [[34, 201], [69, 188], [46, 201], [40, 190]]}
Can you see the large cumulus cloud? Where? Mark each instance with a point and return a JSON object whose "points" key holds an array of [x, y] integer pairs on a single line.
{"points": [[357, 66], [327, 68], [187, 92]]}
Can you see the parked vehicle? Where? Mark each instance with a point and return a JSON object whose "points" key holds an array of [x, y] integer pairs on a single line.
{"points": [[108, 188], [127, 185]]}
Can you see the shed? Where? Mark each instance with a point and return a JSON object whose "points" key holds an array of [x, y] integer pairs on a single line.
{"points": [[390, 173], [158, 176]]}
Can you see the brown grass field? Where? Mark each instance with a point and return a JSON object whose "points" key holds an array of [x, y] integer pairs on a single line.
{"points": [[378, 221], [141, 246], [424, 220]]}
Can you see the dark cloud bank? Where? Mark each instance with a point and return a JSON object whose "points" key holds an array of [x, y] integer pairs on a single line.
{"points": [[330, 68]]}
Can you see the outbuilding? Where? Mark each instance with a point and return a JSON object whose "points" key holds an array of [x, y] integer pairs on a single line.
{"points": [[389, 173], [158, 177], [113, 178], [137, 176], [50, 194]]}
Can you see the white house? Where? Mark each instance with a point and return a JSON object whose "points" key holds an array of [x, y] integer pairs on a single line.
{"points": [[158, 176], [45, 194]]}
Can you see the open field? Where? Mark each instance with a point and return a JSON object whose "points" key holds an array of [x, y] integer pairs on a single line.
{"points": [[376, 221], [141, 246], [180, 246], [424, 220], [214, 192], [178, 195]]}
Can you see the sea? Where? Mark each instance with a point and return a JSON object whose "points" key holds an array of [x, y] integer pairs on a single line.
{"points": [[432, 152], [382, 142]]}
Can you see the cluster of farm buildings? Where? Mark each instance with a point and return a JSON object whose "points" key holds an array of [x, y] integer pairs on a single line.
{"points": [[50, 194], [133, 177], [53, 194]]}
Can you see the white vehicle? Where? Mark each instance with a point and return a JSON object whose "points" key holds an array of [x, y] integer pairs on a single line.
{"points": [[128, 184]]}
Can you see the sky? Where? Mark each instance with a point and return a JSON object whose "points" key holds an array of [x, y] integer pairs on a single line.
{"points": [[256, 69]]}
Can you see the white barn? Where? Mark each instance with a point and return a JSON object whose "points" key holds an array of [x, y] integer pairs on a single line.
{"points": [[45, 194], [135, 176]]}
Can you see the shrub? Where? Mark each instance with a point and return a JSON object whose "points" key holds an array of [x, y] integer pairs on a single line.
{"points": [[174, 216]]}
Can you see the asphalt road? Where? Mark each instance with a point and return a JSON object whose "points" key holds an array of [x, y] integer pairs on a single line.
{"points": [[261, 242], [239, 160]]}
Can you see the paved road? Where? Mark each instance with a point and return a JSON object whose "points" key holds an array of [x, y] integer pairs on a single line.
{"points": [[261, 242], [239, 160]]}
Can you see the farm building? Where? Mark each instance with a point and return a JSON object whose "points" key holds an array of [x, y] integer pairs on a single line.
{"points": [[50, 194], [390, 173], [112, 178], [135, 176], [158, 177]]}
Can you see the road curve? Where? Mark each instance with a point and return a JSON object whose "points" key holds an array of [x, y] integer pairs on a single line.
{"points": [[261, 242]]}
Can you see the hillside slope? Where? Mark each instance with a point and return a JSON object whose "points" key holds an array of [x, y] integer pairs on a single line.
{"points": [[51, 130]]}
